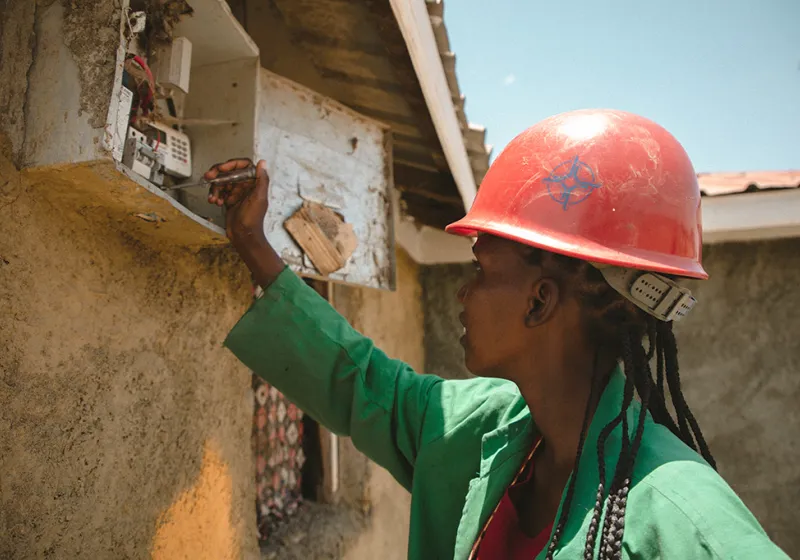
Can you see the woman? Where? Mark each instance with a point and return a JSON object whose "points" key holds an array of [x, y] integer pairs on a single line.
{"points": [[583, 223]]}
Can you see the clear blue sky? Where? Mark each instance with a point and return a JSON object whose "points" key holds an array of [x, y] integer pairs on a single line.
{"points": [[722, 75]]}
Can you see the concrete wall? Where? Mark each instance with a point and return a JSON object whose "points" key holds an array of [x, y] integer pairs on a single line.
{"points": [[443, 354], [17, 43], [740, 358], [125, 424], [57, 59], [740, 364]]}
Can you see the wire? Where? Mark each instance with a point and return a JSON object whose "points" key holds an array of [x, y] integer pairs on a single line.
{"points": [[149, 98], [140, 61]]}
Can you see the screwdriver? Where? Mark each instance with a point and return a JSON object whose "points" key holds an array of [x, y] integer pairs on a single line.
{"points": [[238, 176]]}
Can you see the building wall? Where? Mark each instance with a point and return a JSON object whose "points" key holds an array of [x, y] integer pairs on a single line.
{"points": [[58, 46], [126, 424], [129, 424], [444, 355], [740, 358], [740, 365]]}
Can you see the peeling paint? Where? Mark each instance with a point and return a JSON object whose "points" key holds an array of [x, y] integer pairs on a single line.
{"points": [[91, 32], [64, 94], [308, 143], [17, 41]]}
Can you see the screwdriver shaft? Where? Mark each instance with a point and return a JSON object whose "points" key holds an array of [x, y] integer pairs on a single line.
{"points": [[239, 176]]}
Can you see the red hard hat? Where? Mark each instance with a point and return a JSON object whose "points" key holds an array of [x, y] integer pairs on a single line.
{"points": [[603, 186]]}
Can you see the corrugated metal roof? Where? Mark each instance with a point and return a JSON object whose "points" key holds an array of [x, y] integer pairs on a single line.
{"points": [[474, 135], [718, 184]]}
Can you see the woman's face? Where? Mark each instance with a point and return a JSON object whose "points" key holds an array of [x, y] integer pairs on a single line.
{"points": [[498, 304]]}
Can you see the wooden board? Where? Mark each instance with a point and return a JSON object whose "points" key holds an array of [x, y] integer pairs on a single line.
{"points": [[323, 235]]}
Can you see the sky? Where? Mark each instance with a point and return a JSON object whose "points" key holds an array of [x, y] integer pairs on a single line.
{"points": [[723, 76]]}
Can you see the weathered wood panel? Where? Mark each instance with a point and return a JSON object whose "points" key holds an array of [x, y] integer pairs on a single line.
{"points": [[317, 150]]}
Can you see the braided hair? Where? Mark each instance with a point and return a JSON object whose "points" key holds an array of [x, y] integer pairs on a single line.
{"points": [[617, 325]]}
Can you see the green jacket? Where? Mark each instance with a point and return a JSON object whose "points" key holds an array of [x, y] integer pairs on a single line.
{"points": [[456, 444]]}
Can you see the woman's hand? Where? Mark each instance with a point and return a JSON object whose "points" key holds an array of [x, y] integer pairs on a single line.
{"points": [[245, 203], [246, 207]]}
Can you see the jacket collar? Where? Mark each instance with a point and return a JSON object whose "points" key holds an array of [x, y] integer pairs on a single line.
{"points": [[517, 436], [504, 449]]}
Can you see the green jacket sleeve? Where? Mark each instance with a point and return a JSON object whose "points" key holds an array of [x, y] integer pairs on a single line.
{"points": [[296, 341]]}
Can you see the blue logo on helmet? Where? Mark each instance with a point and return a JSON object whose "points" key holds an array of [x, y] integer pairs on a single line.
{"points": [[571, 182]]}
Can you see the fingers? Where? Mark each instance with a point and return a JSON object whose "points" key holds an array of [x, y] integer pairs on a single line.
{"points": [[216, 195], [262, 181], [220, 194], [231, 194], [227, 167], [235, 193]]}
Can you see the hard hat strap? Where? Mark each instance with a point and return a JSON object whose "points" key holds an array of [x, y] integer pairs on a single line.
{"points": [[655, 294]]}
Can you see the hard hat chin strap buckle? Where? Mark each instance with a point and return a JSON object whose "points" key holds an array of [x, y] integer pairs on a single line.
{"points": [[655, 294]]}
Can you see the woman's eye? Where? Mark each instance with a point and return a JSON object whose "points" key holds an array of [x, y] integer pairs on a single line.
{"points": [[476, 264]]}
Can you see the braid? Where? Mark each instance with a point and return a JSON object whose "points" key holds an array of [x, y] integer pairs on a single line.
{"points": [[644, 383], [652, 338], [627, 397], [639, 370], [616, 326], [591, 536], [659, 410], [674, 383], [682, 409], [660, 364], [615, 517]]}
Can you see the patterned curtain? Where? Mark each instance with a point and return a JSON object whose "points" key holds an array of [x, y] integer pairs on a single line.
{"points": [[278, 443]]}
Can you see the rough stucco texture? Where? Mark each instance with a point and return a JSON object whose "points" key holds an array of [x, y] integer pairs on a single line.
{"points": [[91, 33], [740, 365], [17, 41], [444, 355], [91, 37], [125, 425]]}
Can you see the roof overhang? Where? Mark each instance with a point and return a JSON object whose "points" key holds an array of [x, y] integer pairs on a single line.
{"points": [[751, 216], [415, 25]]}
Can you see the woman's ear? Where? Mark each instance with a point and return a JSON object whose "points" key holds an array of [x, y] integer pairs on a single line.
{"points": [[542, 303]]}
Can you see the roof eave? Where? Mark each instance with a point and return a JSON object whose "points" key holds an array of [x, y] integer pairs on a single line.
{"points": [[416, 27], [751, 216]]}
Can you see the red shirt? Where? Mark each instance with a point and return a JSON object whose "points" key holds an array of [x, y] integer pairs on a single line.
{"points": [[502, 537]]}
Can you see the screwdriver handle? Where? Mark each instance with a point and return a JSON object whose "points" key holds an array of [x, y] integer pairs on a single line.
{"points": [[238, 176]]}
